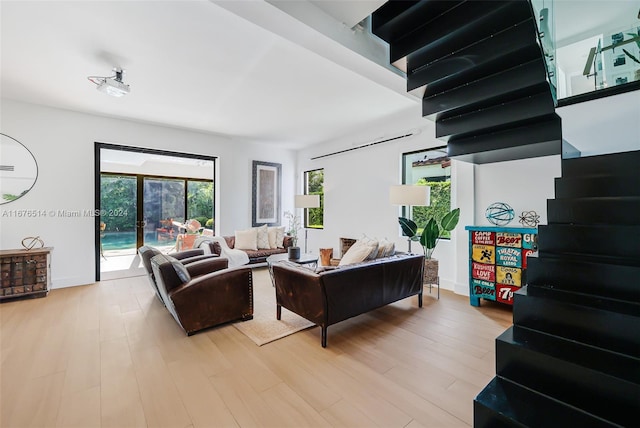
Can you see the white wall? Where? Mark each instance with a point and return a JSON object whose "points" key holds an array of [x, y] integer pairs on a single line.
{"points": [[605, 125], [357, 186], [357, 191], [523, 184], [63, 145]]}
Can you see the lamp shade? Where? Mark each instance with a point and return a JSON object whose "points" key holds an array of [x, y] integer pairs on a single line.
{"points": [[410, 195], [307, 201]]}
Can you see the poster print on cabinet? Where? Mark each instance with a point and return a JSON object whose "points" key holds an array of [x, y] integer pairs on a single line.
{"points": [[266, 185]]}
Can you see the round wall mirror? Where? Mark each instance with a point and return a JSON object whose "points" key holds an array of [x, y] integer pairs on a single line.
{"points": [[18, 169]]}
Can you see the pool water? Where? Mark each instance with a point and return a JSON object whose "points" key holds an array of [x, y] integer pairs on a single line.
{"points": [[126, 240]]}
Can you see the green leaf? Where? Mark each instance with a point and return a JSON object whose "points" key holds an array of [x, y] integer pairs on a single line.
{"points": [[450, 220], [630, 56], [409, 227], [635, 36], [430, 234]]}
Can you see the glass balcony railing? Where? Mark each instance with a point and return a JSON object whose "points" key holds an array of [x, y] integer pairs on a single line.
{"points": [[602, 52], [617, 62], [544, 12]]}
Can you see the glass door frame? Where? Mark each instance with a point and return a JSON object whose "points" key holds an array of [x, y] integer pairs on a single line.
{"points": [[98, 146]]}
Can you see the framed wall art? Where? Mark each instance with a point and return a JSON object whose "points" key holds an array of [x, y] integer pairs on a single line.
{"points": [[266, 187]]}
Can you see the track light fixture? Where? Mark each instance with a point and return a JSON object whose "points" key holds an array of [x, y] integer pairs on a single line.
{"points": [[111, 85]]}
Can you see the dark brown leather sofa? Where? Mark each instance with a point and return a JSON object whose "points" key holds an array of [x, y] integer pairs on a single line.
{"points": [[331, 296], [255, 256], [198, 300]]}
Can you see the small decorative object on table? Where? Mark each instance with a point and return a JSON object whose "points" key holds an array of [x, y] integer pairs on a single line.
{"points": [[325, 256], [499, 213], [31, 242], [529, 218], [292, 230]]}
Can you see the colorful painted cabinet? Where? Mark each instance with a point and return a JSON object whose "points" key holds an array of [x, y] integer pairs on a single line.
{"points": [[498, 261]]}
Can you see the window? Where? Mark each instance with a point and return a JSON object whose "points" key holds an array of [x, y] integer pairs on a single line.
{"points": [[429, 168], [314, 185], [200, 202]]}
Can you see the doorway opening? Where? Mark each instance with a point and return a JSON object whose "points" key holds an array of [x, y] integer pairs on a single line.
{"points": [[149, 197]]}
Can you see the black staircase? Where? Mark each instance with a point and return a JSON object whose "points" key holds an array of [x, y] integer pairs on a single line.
{"points": [[572, 357], [481, 73]]}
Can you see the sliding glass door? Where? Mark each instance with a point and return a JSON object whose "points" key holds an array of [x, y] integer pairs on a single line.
{"points": [[118, 215], [163, 211], [138, 208]]}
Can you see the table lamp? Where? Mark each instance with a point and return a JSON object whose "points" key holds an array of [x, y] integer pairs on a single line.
{"points": [[409, 195], [306, 201]]}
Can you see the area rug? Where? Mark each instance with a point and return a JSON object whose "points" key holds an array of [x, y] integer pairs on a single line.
{"points": [[264, 327]]}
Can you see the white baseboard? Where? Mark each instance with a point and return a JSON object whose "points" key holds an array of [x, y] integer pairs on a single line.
{"points": [[461, 288]]}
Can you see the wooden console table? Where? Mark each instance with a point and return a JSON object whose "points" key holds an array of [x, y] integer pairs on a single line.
{"points": [[25, 273]]}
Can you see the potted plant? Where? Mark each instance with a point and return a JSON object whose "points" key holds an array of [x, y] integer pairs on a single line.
{"points": [[429, 239], [292, 230]]}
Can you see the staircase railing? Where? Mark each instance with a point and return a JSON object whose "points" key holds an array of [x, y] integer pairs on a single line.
{"points": [[616, 61], [545, 19]]}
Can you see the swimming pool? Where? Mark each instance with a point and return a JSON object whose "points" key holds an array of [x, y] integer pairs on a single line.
{"points": [[126, 240]]}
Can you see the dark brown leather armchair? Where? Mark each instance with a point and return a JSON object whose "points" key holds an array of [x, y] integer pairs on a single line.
{"points": [[199, 302], [189, 256]]}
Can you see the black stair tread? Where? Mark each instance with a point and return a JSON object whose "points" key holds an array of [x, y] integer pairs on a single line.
{"points": [[587, 300], [460, 26], [574, 373], [528, 150], [594, 210], [574, 262], [486, 57], [605, 323], [606, 259], [617, 183], [585, 275], [542, 138], [616, 241], [602, 164], [467, 95], [521, 406], [500, 116], [395, 19], [614, 364]]}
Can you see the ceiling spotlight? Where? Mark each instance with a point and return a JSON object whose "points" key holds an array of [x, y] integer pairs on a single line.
{"points": [[111, 85]]}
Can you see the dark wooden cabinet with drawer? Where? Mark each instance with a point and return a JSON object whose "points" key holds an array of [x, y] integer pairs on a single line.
{"points": [[25, 273]]}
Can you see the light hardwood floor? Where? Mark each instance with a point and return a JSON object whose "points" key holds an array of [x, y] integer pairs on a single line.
{"points": [[110, 355]]}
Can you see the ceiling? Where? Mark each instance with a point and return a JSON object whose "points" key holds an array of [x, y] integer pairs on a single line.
{"points": [[190, 64], [243, 69]]}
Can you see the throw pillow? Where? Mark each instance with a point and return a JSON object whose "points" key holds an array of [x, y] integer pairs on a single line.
{"points": [[382, 248], [276, 237], [246, 239], [262, 240], [372, 244], [271, 234], [390, 249], [360, 251], [181, 271]]}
